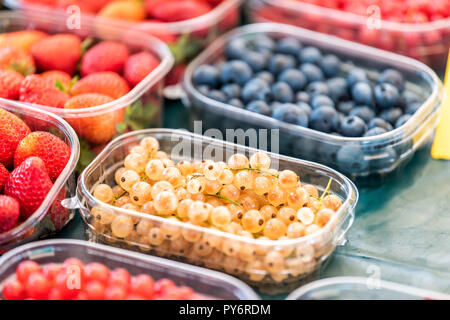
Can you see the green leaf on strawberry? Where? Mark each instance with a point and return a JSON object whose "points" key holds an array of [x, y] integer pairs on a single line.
{"points": [[47, 225], [86, 44], [86, 156], [137, 117], [185, 48]]}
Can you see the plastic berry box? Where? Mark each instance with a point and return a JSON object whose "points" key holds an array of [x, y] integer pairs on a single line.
{"points": [[369, 160], [52, 215], [358, 288], [304, 256], [140, 108], [209, 284], [428, 42], [185, 38]]}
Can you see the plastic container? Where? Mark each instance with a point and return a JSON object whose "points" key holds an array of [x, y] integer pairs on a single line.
{"points": [[205, 282], [428, 42], [140, 108], [304, 256], [185, 38], [51, 216], [366, 160], [358, 288]]}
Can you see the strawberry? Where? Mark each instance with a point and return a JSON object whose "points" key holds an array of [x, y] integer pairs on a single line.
{"points": [[52, 150], [107, 83], [52, 76], [29, 184], [10, 81], [151, 4], [138, 66], [9, 213], [17, 60], [12, 131], [123, 10], [59, 52], [105, 56], [157, 29], [58, 214], [97, 129], [34, 89], [4, 174], [86, 6], [24, 39], [178, 10], [175, 75]]}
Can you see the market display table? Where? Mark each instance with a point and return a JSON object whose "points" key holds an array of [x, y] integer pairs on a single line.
{"points": [[401, 231]]}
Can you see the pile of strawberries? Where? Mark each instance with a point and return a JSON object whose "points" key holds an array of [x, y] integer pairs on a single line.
{"points": [[35, 159], [71, 76]]}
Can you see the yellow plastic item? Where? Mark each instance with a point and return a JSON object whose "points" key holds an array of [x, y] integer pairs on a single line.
{"points": [[441, 143]]}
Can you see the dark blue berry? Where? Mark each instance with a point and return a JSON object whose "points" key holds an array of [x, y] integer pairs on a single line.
{"points": [[364, 112], [356, 75], [310, 55], [327, 152], [350, 159], [203, 89], [312, 72], [408, 97], [254, 90], [393, 77], [305, 107], [324, 119], [338, 90], [256, 60], [330, 65], [353, 126], [282, 92], [262, 42], [321, 100], [317, 88], [280, 62], [380, 123], [294, 78], [236, 49], [386, 95], [383, 159], [302, 96], [236, 71], [290, 113], [402, 120], [289, 46], [362, 93], [232, 90], [345, 107], [217, 95], [413, 107], [375, 132], [206, 75], [391, 115], [266, 76], [259, 107], [236, 103]]}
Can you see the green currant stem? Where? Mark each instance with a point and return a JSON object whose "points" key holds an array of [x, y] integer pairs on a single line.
{"points": [[223, 198], [327, 189], [117, 198], [254, 169]]}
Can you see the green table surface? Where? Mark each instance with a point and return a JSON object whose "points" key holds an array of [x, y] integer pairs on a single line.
{"points": [[401, 231]]}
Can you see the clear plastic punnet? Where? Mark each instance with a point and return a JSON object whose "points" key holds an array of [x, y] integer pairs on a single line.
{"points": [[428, 42], [302, 257], [358, 288], [209, 284], [140, 108], [52, 215], [371, 159]]}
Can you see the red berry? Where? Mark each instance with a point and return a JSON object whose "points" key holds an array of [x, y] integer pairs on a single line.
{"points": [[143, 285], [37, 90], [51, 270], [139, 66], [38, 287], [120, 277], [163, 285], [9, 213], [12, 131], [115, 293], [68, 285], [14, 290], [25, 268], [95, 290], [55, 294], [105, 56], [96, 272], [10, 81], [4, 174], [134, 296]]}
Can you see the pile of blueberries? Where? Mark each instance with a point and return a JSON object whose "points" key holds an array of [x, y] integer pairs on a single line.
{"points": [[303, 86]]}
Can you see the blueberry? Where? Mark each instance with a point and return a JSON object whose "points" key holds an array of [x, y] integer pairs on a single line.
{"points": [[290, 113], [408, 97], [282, 92], [232, 90], [402, 120], [266, 76], [324, 119], [330, 65], [259, 107], [363, 112], [321, 100], [289, 46], [362, 93], [345, 107], [317, 88], [262, 42], [356, 75], [294, 78], [413, 107], [254, 90], [302, 96], [375, 131], [305, 107], [378, 122], [351, 160], [281, 62], [353, 126], [386, 95], [203, 89], [310, 55], [383, 159], [236, 49], [236, 103], [217, 95], [312, 72], [236, 71], [206, 75], [327, 152], [391, 115], [256, 60], [393, 77], [338, 89]]}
